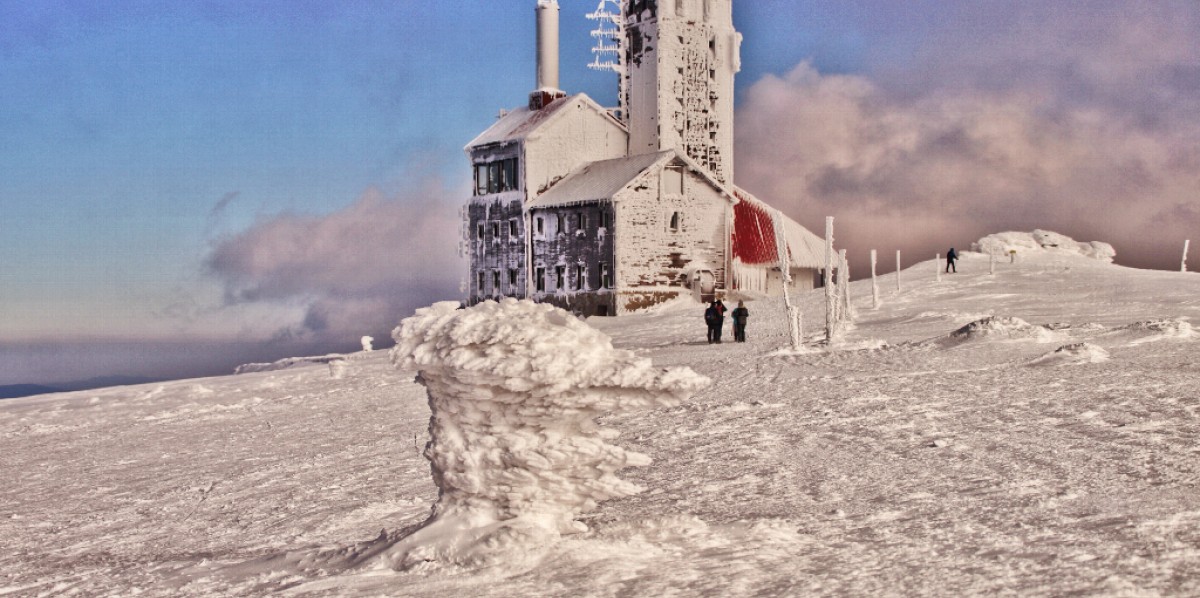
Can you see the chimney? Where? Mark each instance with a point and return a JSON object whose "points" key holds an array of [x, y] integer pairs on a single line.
{"points": [[547, 56]]}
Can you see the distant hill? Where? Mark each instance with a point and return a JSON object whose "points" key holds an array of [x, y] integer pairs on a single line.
{"points": [[14, 391]]}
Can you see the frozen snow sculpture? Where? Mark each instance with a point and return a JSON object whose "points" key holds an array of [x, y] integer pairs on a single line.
{"points": [[514, 389], [367, 343]]}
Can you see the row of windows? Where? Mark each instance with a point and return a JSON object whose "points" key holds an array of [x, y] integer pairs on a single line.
{"points": [[495, 177], [481, 228], [558, 280], [564, 223]]}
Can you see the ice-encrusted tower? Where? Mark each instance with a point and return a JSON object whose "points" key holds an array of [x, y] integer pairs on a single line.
{"points": [[681, 57]]}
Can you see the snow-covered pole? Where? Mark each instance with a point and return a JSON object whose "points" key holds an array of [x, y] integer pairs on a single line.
{"points": [[843, 287], [897, 271], [830, 303], [1183, 264], [937, 267], [795, 332], [992, 264], [874, 283]]}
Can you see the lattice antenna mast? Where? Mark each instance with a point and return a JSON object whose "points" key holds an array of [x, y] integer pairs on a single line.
{"points": [[609, 35]]}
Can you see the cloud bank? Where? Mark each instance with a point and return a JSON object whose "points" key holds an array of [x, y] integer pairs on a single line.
{"points": [[1082, 118], [357, 271]]}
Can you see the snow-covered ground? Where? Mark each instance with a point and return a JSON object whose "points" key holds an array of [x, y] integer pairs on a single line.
{"points": [[1052, 450]]}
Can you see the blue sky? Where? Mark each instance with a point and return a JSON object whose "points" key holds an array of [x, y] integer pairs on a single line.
{"points": [[145, 141]]}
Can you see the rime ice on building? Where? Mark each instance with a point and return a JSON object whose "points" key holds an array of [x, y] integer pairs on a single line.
{"points": [[607, 211]]}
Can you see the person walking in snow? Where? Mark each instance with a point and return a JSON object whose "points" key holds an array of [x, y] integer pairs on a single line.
{"points": [[714, 316], [951, 257], [739, 322]]}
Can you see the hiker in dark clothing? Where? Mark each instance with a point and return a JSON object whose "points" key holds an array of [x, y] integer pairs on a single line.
{"points": [[714, 316], [951, 257], [739, 322]]}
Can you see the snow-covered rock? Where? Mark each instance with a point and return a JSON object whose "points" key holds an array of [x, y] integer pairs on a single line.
{"points": [[1001, 328], [514, 388], [1001, 244], [1073, 354]]}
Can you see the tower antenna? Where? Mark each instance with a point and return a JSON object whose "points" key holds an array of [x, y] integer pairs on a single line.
{"points": [[609, 49]]}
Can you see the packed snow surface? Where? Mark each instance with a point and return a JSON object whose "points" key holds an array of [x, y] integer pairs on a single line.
{"points": [[896, 462]]}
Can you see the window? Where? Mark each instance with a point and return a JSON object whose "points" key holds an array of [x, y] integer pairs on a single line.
{"points": [[495, 281], [510, 174], [603, 219], [676, 221], [494, 177], [672, 180], [480, 232], [512, 227], [560, 274], [560, 223], [580, 277], [495, 231], [481, 179], [512, 279], [540, 225], [540, 279], [606, 279], [479, 290], [580, 221]]}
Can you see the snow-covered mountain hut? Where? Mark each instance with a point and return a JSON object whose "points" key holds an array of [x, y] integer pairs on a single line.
{"points": [[608, 211]]}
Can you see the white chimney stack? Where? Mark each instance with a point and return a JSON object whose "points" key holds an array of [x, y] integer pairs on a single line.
{"points": [[547, 45], [547, 56]]}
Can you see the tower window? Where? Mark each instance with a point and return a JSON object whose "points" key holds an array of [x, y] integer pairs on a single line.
{"points": [[676, 221]]}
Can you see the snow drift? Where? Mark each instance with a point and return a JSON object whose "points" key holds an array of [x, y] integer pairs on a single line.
{"points": [[514, 388], [1000, 244]]}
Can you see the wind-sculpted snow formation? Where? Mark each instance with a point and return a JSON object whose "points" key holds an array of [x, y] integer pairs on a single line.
{"points": [[514, 389], [1040, 241]]}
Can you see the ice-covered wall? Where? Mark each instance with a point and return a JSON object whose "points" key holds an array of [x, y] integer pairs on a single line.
{"points": [[514, 389], [581, 132], [562, 243], [660, 231]]}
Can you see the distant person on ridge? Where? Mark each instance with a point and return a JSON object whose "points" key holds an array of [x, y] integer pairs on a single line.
{"points": [[739, 322], [715, 318], [951, 257]]}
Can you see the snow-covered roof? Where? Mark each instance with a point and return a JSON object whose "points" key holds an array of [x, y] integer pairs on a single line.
{"points": [[754, 240], [521, 122], [598, 180]]}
